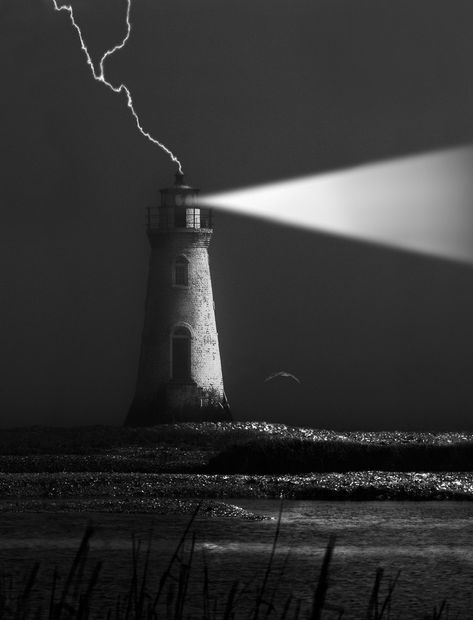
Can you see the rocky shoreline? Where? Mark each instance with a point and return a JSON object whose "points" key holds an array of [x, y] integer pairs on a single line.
{"points": [[166, 469], [147, 492], [156, 506]]}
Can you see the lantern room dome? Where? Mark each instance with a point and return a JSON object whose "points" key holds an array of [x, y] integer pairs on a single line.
{"points": [[179, 194], [179, 209], [179, 181]]}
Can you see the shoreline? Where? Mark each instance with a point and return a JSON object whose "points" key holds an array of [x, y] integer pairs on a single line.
{"points": [[168, 469], [160, 506], [141, 492]]}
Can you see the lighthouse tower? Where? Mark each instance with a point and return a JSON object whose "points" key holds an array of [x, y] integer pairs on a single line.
{"points": [[180, 373]]}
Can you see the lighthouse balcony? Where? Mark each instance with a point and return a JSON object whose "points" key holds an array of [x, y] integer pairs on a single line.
{"points": [[181, 218]]}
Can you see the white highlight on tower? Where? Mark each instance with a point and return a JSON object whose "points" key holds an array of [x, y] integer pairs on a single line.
{"points": [[100, 76]]}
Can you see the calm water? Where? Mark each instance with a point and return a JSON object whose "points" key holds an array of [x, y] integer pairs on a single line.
{"points": [[431, 543]]}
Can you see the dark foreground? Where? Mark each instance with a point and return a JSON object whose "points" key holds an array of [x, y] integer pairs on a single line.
{"points": [[174, 473], [155, 566]]}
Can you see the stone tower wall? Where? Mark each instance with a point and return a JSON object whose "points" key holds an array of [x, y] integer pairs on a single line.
{"points": [[168, 305]]}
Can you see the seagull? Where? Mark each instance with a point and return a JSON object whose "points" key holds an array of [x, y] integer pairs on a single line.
{"points": [[282, 373]]}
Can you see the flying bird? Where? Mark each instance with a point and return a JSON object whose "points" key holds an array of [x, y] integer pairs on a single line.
{"points": [[282, 373]]}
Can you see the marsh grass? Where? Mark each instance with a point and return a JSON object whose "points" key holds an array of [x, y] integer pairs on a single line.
{"points": [[84, 440], [230, 448], [278, 455], [274, 456], [170, 598]]}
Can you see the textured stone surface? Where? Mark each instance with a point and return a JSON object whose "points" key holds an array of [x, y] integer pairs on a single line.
{"points": [[158, 397]]}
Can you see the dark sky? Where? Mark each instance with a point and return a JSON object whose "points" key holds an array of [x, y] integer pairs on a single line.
{"points": [[244, 92]]}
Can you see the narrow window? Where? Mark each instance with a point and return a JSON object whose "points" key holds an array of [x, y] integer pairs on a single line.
{"points": [[181, 354], [180, 217], [181, 271]]}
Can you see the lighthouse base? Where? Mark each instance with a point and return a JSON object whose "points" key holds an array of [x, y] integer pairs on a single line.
{"points": [[179, 402]]}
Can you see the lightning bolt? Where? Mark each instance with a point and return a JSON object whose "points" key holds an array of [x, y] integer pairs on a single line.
{"points": [[99, 76]]}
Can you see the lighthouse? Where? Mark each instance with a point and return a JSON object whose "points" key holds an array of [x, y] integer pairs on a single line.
{"points": [[180, 372]]}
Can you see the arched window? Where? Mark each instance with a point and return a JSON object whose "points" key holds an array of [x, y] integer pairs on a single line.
{"points": [[181, 354], [181, 271]]}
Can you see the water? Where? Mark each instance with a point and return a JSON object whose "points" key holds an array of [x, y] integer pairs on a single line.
{"points": [[431, 543]]}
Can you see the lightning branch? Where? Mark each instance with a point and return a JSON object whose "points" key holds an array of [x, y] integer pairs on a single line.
{"points": [[99, 75]]}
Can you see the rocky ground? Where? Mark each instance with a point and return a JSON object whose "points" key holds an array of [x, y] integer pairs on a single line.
{"points": [[163, 470], [145, 492]]}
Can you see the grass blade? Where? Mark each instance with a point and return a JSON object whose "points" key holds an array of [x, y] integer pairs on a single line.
{"points": [[322, 584], [260, 596]]}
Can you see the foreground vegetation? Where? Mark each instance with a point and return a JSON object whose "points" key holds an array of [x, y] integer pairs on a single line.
{"points": [[294, 456], [229, 448], [152, 492], [140, 469], [172, 469], [77, 595]]}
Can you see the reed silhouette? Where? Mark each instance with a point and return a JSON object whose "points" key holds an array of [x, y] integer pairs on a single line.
{"points": [[170, 598]]}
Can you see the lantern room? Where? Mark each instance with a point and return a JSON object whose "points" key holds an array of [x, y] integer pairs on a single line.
{"points": [[178, 209]]}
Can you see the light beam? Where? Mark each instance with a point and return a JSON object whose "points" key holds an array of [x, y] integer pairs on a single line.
{"points": [[100, 75], [420, 203]]}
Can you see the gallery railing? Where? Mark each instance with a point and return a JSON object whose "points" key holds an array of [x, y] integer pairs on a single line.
{"points": [[168, 218]]}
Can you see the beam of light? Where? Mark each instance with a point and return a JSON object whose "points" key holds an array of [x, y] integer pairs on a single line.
{"points": [[420, 203], [100, 75]]}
